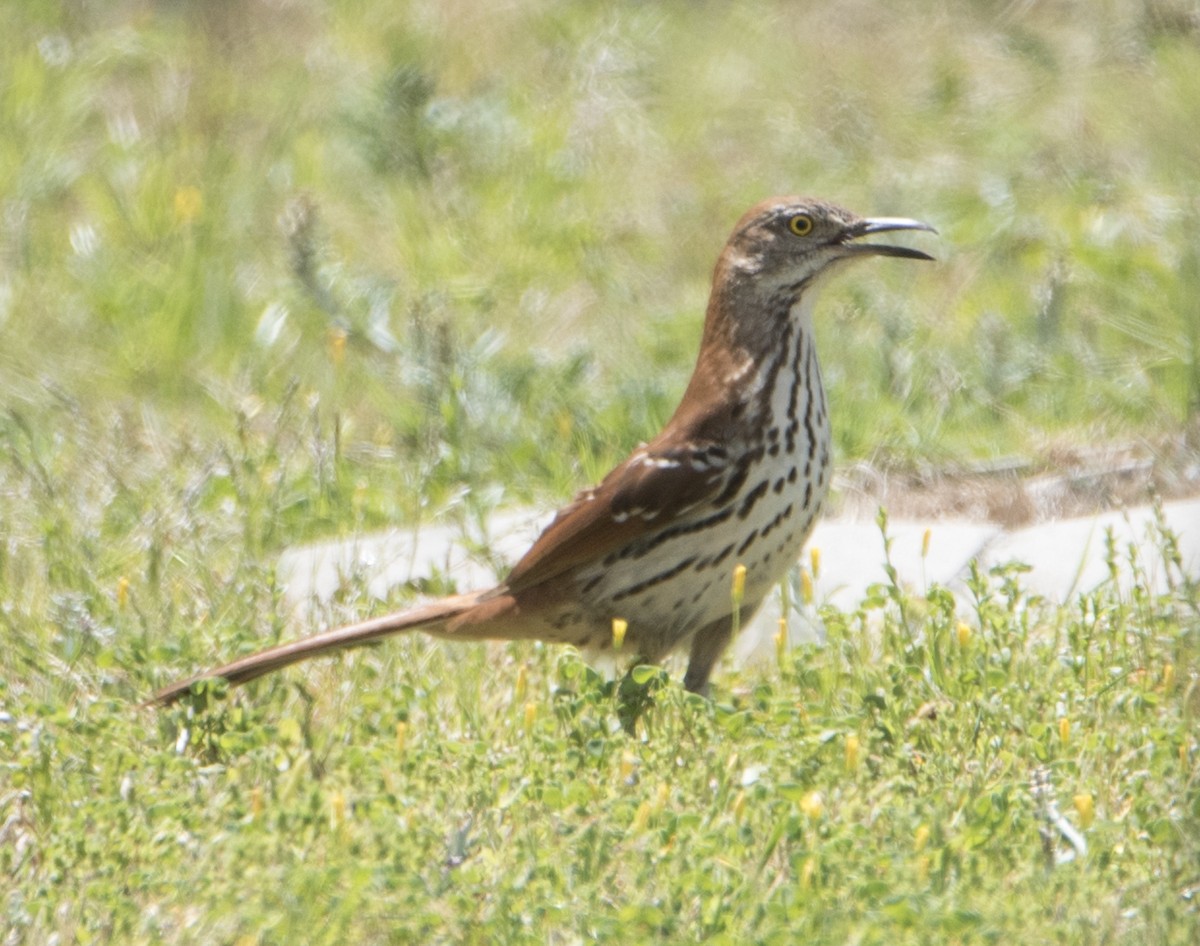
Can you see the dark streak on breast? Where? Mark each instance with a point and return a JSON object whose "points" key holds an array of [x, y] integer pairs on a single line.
{"points": [[653, 580], [752, 499]]}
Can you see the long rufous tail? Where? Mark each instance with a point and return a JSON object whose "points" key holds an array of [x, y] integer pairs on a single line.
{"points": [[428, 617]]}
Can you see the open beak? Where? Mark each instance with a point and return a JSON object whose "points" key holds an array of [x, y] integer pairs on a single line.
{"points": [[871, 225]]}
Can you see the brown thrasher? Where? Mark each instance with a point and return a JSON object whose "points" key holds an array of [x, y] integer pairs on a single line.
{"points": [[737, 476]]}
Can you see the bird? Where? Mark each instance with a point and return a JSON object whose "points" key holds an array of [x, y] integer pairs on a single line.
{"points": [[735, 478]]}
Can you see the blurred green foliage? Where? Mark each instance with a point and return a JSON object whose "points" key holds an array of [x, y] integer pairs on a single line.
{"points": [[471, 237]]}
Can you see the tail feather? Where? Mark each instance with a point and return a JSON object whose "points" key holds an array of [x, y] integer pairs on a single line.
{"points": [[427, 616]]}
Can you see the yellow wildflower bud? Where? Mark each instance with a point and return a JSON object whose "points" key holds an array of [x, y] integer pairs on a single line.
{"points": [[963, 632], [1085, 807], [921, 838], [401, 737], [661, 796], [337, 810], [522, 683], [187, 204], [781, 640], [812, 804], [123, 593], [851, 752], [641, 817], [928, 534], [620, 626], [739, 584], [814, 560], [335, 341], [806, 586], [1064, 729], [530, 715]]}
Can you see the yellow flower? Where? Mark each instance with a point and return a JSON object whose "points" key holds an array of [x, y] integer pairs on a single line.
{"points": [[564, 423], [812, 804], [851, 752], [921, 838], [814, 559], [806, 586], [619, 627], [1168, 677], [530, 715], [521, 685], [337, 810], [1085, 807], [963, 631], [1064, 729], [188, 204], [335, 342], [122, 592], [739, 584], [781, 640], [401, 737], [925, 543]]}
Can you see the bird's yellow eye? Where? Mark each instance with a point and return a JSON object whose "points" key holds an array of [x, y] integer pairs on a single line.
{"points": [[801, 224]]}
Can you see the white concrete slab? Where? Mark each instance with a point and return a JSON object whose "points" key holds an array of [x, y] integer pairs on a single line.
{"points": [[852, 555], [852, 560], [312, 574], [1066, 558], [1070, 557]]}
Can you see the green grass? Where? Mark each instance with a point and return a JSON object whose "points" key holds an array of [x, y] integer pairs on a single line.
{"points": [[425, 792], [272, 272]]}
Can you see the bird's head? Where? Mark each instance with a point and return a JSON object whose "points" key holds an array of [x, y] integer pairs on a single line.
{"points": [[781, 246]]}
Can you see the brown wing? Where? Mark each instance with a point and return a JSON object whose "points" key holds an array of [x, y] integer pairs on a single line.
{"points": [[654, 486]]}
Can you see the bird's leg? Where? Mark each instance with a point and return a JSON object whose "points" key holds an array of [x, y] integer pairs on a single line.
{"points": [[708, 644]]}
